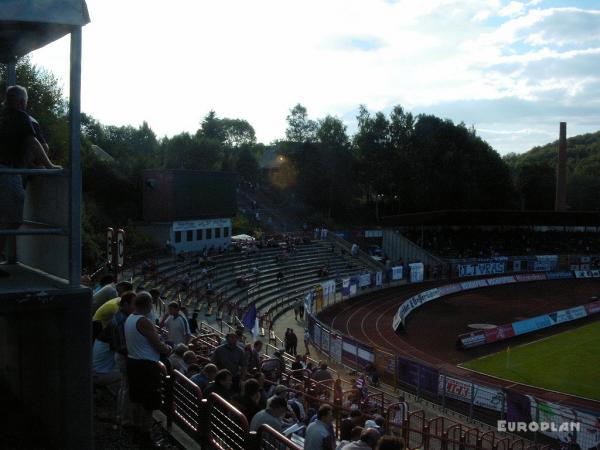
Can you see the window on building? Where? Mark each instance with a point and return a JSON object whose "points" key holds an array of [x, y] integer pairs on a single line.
{"points": [[209, 233], [198, 235], [190, 235], [178, 236], [225, 231], [217, 233]]}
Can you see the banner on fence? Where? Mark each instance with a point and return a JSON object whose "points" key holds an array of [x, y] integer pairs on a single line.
{"points": [[588, 435], [348, 351], [328, 290], [545, 263], [325, 340], [482, 268], [468, 392], [365, 354], [346, 287], [378, 278], [417, 271], [517, 265], [449, 289], [317, 335], [335, 347], [385, 362], [397, 272], [309, 302], [364, 280]]}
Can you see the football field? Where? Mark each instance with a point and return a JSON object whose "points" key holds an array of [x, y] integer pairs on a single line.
{"points": [[568, 362]]}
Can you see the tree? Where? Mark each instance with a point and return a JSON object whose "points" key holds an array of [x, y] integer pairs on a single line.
{"points": [[300, 127]]}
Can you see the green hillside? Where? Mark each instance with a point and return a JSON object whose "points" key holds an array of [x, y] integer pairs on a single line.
{"points": [[534, 173]]}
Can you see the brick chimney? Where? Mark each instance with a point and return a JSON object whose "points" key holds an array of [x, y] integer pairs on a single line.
{"points": [[560, 203]]}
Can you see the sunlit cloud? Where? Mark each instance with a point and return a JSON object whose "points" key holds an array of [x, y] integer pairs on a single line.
{"points": [[169, 63]]}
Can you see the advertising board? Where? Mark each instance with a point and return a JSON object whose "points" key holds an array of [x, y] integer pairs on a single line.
{"points": [[482, 268]]}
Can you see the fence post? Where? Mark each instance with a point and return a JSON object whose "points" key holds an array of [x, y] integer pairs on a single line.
{"points": [[418, 393], [444, 392], [472, 401], [537, 420]]}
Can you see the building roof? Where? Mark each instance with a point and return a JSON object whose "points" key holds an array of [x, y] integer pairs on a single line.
{"points": [[496, 218], [26, 25]]}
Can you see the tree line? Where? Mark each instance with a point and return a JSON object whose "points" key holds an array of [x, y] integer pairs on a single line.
{"points": [[394, 163]]}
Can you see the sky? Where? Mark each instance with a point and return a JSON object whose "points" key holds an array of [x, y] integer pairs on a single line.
{"points": [[511, 69]]}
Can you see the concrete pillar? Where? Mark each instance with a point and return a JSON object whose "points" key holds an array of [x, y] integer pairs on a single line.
{"points": [[560, 203]]}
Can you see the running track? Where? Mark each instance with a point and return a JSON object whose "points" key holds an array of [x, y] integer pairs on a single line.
{"points": [[430, 337]]}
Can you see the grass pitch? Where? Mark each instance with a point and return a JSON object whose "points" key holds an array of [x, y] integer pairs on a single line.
{"points": [[568, 362]]}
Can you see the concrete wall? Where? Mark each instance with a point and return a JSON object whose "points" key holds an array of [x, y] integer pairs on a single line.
{"points": [[46, 200], [45, 363]]}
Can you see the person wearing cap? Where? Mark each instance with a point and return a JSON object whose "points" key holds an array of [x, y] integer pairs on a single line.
{"points": [[290, 416], [106, 312], [368, 440], [231, 357], [319, 434]]}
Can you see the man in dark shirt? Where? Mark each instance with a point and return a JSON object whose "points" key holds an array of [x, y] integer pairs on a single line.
{"points": [[19, 148], [20, 135], [231, 357]]}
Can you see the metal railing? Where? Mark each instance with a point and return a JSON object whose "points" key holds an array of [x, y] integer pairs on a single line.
{"points": [[228, 428]]}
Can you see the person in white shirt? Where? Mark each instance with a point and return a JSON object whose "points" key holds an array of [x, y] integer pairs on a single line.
{"points": [[176, 325], [143, 370]]}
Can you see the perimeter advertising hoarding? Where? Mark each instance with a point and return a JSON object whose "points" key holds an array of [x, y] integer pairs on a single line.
{"points": [[587, 273], [466, 391], [531, 277], [593, 308], [325, 340], [418, 375], [499, 333], [506, 331], [414, 302], [335, 347], [397, 272]]}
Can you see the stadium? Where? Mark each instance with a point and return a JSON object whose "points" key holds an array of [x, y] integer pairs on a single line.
{"points": [[205, 291]]}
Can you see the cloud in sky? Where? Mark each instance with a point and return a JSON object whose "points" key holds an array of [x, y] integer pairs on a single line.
{"points": [[512, 69]]}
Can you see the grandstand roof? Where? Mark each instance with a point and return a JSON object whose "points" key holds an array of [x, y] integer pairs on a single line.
{"points": [[27, 25], [496, 217]]}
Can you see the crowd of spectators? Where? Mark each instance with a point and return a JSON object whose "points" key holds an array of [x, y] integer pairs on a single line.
{"points": [[130, 340], [488, 243]]}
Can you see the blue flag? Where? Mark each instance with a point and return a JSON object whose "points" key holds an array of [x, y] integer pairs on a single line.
{"points": [[249, 317]]}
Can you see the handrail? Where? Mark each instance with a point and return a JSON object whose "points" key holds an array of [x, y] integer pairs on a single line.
{"points": [[228, 427], [20, 171], [270, 439]]}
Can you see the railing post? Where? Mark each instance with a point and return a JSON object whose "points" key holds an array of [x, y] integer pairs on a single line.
{"points": [[425, 437]]}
